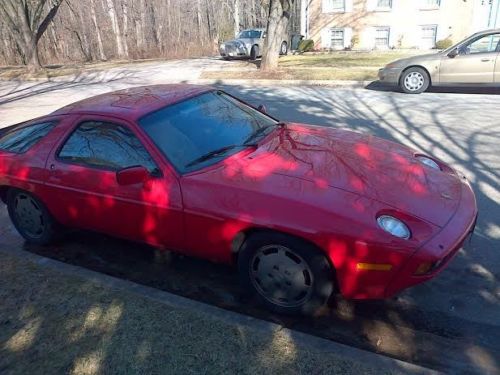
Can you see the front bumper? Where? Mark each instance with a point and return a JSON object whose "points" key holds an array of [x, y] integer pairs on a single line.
{"points": [[356, 283], [233, 51], [389, 75], [441, 249]]}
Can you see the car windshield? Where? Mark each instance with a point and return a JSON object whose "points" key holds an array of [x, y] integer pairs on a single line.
{"points": [[200, 131], [250, 34]]}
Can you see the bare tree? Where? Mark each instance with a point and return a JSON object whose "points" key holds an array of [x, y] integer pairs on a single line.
{"points": [[93, 30], [277, 26], [28, 20]]}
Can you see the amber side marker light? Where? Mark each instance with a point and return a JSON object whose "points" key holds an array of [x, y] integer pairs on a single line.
{"points": [[374, 267], [424, 268]]}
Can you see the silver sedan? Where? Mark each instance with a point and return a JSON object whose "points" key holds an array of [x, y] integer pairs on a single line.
{"points": [[474, 61]]}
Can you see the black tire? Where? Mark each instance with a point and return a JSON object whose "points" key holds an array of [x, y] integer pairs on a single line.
{"points": [[306, 267], [19, 202], [254, 52], [227, 58], [414, 80], [284, 48]]}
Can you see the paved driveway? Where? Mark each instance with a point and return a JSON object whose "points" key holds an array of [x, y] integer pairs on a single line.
{"points": [[461, 129]]}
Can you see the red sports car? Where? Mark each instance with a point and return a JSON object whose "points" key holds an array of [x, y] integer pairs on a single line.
{"points": [[302, 210]]}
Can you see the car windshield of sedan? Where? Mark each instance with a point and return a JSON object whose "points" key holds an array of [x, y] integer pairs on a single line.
{"points": [[249, 34], [200, 131]]}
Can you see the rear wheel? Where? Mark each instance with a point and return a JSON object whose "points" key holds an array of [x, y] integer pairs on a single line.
{"points": [[289, 276], [414, 81], [30, 217]]}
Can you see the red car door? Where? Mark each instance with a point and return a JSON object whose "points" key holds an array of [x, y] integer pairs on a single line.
{"points": [[82, 188]]}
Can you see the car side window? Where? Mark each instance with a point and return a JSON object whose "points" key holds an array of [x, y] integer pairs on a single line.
{"points": [[21, 139], [486, 44], [106, 146]]}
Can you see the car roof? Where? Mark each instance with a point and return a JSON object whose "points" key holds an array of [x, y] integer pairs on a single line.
{"points": [[135, 102], [255, 29]]}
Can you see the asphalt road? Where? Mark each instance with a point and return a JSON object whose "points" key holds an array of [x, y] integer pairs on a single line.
{"points": [[461, 129]]}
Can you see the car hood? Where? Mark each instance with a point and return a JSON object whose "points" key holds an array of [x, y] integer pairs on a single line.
{"points": [[417, 59], [242, 40], [362, 164]]}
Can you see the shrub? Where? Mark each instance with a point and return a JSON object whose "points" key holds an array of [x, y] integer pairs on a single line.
{"points": [[443, 44], [306, 45]]}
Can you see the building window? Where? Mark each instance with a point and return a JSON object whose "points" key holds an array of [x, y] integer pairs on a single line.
{"points": [[382, 36], [337, 38], [384, 4], [337, 6], [430, 4], [429, 36]]}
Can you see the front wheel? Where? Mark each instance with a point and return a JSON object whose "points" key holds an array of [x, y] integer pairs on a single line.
{"points": [[284, 48], [288, 275], [254, 53], [414, 81], [30, 217]]}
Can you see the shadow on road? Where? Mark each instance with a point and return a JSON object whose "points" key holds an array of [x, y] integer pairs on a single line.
{"points": [[407, 327], [379, 86]]}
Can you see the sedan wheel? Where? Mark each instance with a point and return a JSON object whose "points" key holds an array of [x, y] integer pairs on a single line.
{"points": [[415, 81], [284, 48], [30, 217], [281, 276], [288, 275]]}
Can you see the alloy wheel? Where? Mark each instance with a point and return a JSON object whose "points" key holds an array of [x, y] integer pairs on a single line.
{"points": [[281, 276], [29, 215], [414, 81]]}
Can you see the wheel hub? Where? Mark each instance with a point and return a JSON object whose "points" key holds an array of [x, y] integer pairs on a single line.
{"points": [[29, 215], [414, 81], [281, 276]]}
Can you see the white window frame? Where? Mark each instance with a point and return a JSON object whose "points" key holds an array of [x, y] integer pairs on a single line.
{"points": [[379, 8], [427, 5], [422, 27], [342, 45], [328, 6], [376, 29]]}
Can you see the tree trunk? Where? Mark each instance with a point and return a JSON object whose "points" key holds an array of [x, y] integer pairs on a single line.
{"points": [[236, 17], [33, 60], [100, 46], [116, 28], [277, 25]]}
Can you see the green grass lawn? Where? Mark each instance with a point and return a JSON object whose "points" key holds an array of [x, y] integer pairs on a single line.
{"points": [[347, 59], [342, 66], [56, 323], [346, 74]]}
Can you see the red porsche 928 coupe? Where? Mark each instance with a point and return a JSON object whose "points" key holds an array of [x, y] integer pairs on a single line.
{"points": [[302, 210]]}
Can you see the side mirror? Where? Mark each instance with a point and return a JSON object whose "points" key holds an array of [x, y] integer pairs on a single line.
{"points": [[453, 53], [132, 176], [262, 108]]}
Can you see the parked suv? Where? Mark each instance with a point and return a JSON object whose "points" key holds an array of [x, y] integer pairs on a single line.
{"points": [[474, 61], [249, 43]]}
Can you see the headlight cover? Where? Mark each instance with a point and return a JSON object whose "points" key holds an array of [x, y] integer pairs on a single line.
{"points": [[394, 226], [428, 162]]}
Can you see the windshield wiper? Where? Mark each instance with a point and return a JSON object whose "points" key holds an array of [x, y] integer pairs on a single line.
{"points": [[255, 134], [211, 154]]}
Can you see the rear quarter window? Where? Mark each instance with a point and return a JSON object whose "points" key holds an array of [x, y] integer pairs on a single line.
{"points": [[21, 139]]}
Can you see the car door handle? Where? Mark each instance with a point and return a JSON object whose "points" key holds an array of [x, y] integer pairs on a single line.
{"points": [[485, 60]]}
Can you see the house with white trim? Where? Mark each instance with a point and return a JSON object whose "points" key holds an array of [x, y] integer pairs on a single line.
{"points": [[387, 24]]}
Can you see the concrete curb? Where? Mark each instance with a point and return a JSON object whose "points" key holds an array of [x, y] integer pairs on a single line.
{"points": [[280, 82], [208, 81], [301, 339]]}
